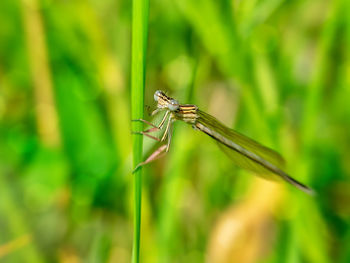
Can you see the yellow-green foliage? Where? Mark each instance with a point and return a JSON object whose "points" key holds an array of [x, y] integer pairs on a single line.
{"points": [[277, 71]]}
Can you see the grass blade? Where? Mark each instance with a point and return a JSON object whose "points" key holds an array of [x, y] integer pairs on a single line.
{"points": [[138, 58]]}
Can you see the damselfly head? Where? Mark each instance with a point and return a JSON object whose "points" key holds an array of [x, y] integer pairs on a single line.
{"points": [[165, 102]]}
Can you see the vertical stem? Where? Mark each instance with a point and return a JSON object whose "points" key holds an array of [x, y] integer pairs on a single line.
{"points": [[138, 58]]}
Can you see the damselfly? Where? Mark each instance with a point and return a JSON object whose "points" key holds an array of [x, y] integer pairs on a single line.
{"points": [[245, 152]]}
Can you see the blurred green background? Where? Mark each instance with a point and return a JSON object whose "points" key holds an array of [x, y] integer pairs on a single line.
{"points": [[277, 71]]}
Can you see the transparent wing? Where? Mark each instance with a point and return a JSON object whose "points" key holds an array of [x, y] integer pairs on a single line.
{"points": [[246, 152], [250, 145]]}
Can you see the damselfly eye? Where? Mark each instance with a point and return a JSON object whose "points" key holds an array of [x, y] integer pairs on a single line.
{"points": [[173, 105], [157, 94]]}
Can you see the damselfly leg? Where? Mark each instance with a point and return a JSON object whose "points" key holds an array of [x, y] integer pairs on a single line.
{"points": [[154, 127], [159, 153], [163, 149]]}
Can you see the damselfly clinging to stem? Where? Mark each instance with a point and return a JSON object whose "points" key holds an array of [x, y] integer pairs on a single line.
{"points": [[245, 152]]}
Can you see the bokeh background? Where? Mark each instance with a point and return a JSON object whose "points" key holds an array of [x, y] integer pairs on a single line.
{"points": [[277, 71]]}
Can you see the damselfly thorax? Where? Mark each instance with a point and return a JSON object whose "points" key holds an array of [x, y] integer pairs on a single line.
{"points": [[186, 113]]}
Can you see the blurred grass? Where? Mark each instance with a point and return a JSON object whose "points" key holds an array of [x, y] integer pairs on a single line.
{"points": [[277, 71]]}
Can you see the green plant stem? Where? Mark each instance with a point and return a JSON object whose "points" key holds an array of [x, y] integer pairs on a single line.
{"points": [[138, 51]]}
